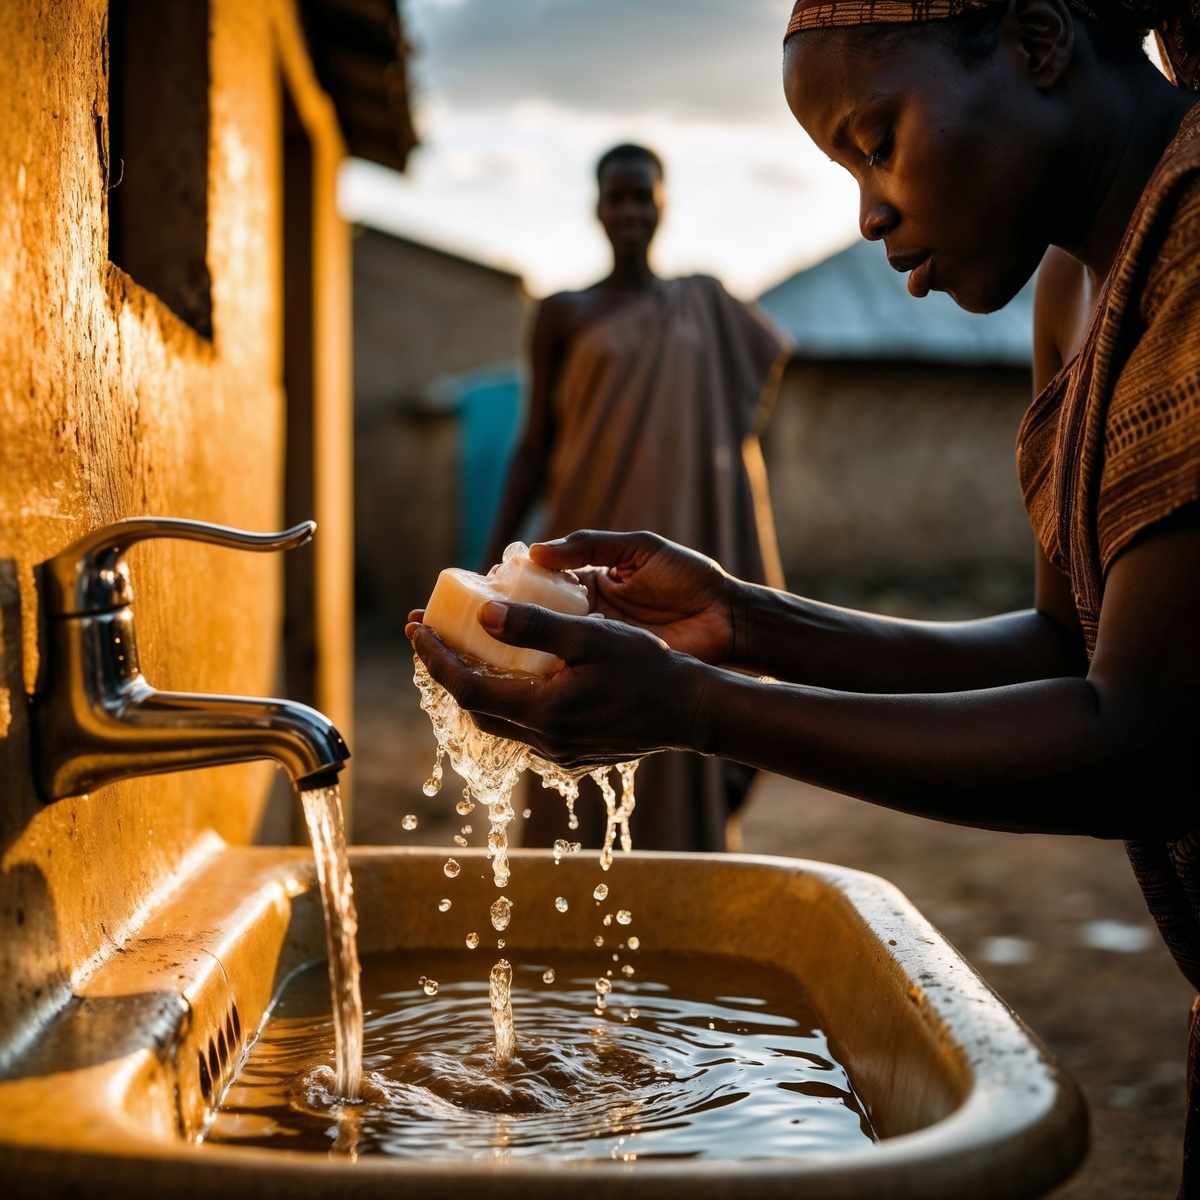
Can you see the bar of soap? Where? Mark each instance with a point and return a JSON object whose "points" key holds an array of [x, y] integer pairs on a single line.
{"points": [[453, 609]]}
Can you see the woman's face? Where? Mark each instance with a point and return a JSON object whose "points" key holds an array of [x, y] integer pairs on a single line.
{"points": [[952, 160], [630, 204]]}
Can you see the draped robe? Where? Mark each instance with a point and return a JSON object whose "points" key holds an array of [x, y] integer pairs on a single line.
{"points": [[656, 418]]}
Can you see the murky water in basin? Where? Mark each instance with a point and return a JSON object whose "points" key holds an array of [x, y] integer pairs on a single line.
{"points": [[692, 1058]]}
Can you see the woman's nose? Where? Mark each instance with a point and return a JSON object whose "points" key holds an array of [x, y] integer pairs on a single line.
{"points": [[876, 219]]}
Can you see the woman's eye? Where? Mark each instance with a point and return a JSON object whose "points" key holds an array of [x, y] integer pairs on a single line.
{"points": [[881, 153]]}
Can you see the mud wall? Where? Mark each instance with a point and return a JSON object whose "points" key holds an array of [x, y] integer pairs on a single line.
{"points": [[901, 477], [111, 405]]}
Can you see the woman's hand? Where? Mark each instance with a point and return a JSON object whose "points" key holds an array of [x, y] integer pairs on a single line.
{"points": [[621, 693], [681, 596]]}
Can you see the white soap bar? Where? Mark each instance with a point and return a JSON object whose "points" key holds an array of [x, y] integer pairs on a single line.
{"points": [[453, 609]]}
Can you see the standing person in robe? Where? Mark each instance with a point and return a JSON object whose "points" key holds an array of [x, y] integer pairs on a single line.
{"points": [[985, 137], [647, 398]]}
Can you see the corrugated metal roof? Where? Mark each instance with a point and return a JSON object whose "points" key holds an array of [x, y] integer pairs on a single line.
{"points": [[361, 59], [853, 306]]}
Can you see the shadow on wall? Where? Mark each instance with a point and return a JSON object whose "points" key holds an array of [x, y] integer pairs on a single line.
{"points": [[30, 954]]}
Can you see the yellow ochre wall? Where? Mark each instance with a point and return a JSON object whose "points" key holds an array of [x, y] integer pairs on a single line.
{"points": [[110, 406]]}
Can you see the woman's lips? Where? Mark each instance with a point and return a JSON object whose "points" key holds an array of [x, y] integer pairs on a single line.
{"points": [[920, 279]]}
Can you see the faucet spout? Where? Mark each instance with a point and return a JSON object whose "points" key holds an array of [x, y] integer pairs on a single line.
{"points": [[97, 720], [181, 730]]}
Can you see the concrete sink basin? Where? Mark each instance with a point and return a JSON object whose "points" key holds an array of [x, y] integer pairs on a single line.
{"points": [[111, 1099]]}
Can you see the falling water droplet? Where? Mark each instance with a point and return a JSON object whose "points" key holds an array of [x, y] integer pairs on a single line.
{"points": [[598, 941], [451, 869], [408, 822], [527, 813], [444, 905], [499, 943], [433, 784], [601, 892], [560, 902], [633, 1014], [430, 987], [608, 918], [627, 971], [548, 975], [459, 840], [472, 941], [624, 917], [633, 943], [603, 986], [501, 914], [465, 807]]}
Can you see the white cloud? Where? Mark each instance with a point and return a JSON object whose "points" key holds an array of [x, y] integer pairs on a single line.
{"points": [[711, 56], [519, 97]]}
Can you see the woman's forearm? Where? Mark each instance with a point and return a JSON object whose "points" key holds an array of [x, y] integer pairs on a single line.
{"points": [[792, 638], [1048, 757]]}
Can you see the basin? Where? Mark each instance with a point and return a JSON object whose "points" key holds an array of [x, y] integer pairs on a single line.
{"points": [[115, 1094]]}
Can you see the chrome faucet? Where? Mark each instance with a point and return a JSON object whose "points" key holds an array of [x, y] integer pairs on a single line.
{"points": [[97, 720]]}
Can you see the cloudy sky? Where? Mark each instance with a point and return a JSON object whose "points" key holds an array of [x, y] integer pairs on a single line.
{"points": [[516, 99]]}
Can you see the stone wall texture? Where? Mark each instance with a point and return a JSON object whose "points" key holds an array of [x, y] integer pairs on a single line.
{"points": [[111, 406], [894, 475], [421, 314]]}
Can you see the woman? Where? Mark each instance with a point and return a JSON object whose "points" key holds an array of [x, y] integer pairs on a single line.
{"points": [[982, 142], [637, 380]]}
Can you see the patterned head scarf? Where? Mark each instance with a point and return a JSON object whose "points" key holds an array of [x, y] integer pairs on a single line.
{"points": [[1176, 23]]}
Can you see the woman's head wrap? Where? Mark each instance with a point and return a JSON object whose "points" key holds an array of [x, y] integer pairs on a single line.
{"points": [[1176, 22]]}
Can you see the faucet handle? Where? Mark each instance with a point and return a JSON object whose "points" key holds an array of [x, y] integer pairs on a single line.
{"points": [[90, 576]]}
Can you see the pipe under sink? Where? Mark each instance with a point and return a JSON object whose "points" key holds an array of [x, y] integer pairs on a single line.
{"points": [[114, 1094]]}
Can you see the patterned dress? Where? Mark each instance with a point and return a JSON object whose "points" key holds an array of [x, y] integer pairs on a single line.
{"points": [[1112, 447]]}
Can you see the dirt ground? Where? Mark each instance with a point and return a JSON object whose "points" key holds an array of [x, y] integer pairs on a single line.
{"points": [[1056, 926]]}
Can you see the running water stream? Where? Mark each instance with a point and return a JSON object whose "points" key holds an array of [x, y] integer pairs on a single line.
{"points": [[491, 766], [327, 831]]}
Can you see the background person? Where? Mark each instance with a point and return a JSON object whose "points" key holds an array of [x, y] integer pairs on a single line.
{"points": [[647, 397]]}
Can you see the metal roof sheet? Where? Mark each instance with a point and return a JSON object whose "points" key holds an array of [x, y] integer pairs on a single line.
{"points": [[853, 306]]}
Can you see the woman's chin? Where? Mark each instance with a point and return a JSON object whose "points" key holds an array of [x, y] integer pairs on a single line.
{"points": [[982, 297]]}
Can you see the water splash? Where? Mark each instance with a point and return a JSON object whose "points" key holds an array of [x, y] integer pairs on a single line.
{"points": [[491, 767], [500, 997], [327, 831]]}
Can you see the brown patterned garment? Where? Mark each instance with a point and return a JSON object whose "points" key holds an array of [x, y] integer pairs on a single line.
{"points": [[1112, 445], [1110, 448]]}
